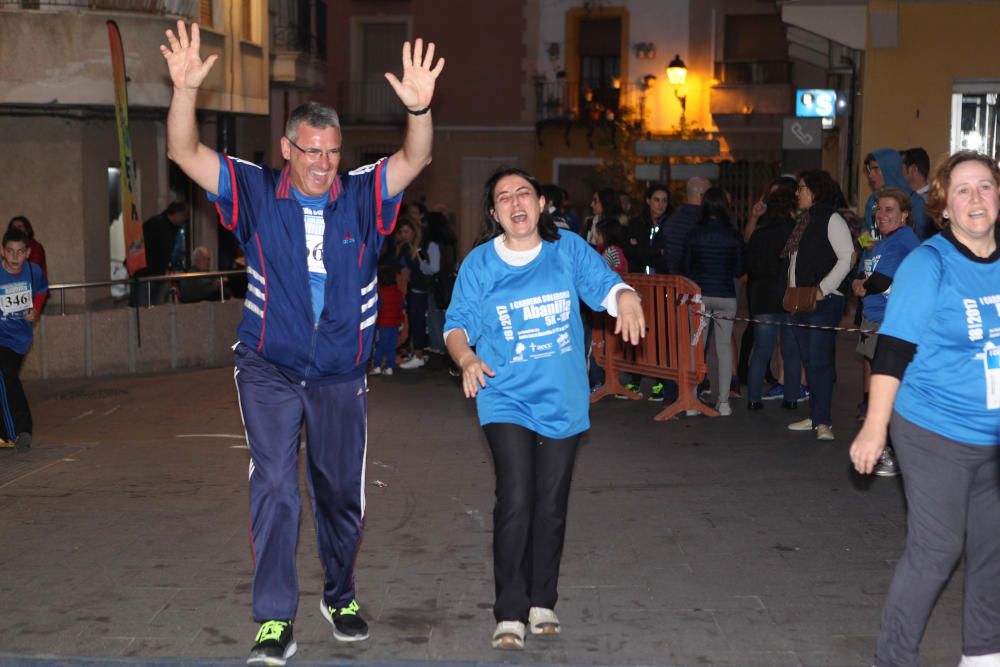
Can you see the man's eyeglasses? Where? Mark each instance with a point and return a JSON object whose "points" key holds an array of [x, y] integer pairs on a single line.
{"points": [[314, 154], [869, 168]]}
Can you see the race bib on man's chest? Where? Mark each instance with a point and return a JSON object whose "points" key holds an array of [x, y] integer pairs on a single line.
{"points": [[15, 298], [315, 227]]}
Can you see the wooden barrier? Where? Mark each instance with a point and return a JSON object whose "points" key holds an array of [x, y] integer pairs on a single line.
{"points": [[665, 353]]}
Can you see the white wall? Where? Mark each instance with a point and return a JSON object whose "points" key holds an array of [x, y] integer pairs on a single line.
{"points": [[662, 22]]}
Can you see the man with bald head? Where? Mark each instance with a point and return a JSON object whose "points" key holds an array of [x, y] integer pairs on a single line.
{"points": [[670, 242]]}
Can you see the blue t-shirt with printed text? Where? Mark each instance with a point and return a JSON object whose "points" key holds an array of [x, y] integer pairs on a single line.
{"points": [[885, 258], [525, 324], [17, 292], [948, 305]]}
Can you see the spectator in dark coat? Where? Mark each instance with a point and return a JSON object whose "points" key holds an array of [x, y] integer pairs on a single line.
{"points": [[767, 274], [670, 240], [643, 229], [159, 233], [713, 256]]}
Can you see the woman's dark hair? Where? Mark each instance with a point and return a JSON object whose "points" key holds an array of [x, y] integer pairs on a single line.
{"points": [[612, 232], [611, 206], [782, 201], [824, 189], [937, 196], [28, 229], [715, 206], [420, 207], [439, 229], [386, 275], [413, 247], [651, 190], [546, 227]]}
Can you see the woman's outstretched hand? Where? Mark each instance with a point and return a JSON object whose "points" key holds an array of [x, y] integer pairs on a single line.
{"points": [[630, 323], [474, 374]]}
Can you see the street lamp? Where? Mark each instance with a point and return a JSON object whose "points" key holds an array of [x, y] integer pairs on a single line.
{"points": [[677, 75]]}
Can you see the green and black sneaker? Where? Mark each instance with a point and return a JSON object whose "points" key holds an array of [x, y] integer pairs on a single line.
{"points": [[274, 644], [657, 395], [348, 626], [631, 386]]}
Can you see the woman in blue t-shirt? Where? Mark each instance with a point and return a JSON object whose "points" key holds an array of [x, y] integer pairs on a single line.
{"points": [[942, 327], [517, 300]]}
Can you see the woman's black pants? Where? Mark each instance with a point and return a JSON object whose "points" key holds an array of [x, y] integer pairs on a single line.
{"points": [[529, 521]]}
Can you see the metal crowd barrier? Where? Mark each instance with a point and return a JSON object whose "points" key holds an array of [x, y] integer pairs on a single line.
{"points": [[143, 283], [671, 309]]}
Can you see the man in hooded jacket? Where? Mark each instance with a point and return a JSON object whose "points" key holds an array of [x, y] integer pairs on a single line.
{"points": [[884, 167]]}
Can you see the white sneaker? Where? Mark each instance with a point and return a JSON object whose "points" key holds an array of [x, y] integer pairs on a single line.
{"points": [[802, 425], [991, 660], [375, 371], [509, 635], [387, 371], [724, 409], [824, 432], [543, 621], [412, 362]]}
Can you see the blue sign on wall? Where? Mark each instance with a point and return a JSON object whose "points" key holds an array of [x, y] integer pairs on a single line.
{"points": [[816, 103]]}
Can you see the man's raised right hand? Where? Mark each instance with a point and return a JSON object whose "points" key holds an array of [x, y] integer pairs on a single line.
{"points": [[187, 69]]}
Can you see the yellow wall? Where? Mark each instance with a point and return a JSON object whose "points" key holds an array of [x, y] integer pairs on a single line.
{"points": [[907, 90]]}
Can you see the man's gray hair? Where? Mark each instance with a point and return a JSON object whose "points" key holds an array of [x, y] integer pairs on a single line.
{"points": [[313, 114]]}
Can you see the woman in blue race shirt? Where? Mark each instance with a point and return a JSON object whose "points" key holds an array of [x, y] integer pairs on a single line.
{"points": [[517, 300], [942, 327]]}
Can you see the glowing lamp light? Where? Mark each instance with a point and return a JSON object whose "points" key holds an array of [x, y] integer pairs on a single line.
{"points": [[676, 71]]}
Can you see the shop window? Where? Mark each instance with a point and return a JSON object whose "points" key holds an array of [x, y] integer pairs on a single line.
{"points": [[974, 122]]}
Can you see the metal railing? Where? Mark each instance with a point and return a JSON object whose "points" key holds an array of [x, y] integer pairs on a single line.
{"points": [[369, 102], [182, 8], [749, 72], [579, 100], [145, 283]]}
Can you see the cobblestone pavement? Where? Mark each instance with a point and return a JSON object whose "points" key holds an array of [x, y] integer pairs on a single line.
{"points": [[726, 541]]}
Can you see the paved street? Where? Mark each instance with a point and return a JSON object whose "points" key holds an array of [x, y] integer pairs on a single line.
{"points": [[726, 541]]}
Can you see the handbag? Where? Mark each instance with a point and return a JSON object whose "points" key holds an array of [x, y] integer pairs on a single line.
{"points": [[799, 300]]}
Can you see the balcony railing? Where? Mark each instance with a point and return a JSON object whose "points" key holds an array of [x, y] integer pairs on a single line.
{"points": [[181, 8], [369, 102], [579, 101], [743, 72]]}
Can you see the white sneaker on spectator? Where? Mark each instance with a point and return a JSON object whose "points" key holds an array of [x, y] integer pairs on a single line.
{"points": [[412, 362], [801, 425], [824, 432], [724, 409], [375, 371], [387, 371], [990, 660]]}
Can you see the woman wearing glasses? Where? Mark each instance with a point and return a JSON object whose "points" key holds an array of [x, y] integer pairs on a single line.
{"points": [[517, 301]]}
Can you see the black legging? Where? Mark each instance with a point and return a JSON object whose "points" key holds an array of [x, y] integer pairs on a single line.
{"points": [[15, 415], [533, 476]]}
